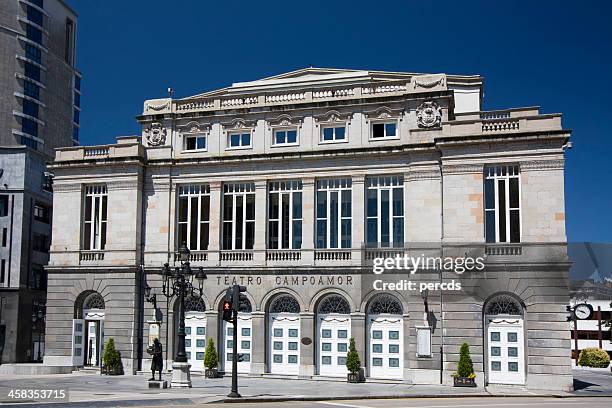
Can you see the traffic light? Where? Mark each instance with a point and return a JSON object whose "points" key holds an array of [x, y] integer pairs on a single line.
{"points": [[227, 306], [236, 290]]}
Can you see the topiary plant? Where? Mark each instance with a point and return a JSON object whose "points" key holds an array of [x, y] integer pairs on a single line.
{"points": [[353, 364], [112, 358], [211, 359], [465, 368], [594, 357]]}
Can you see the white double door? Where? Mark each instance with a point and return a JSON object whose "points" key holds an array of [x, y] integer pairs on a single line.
{"points": [[195, 339], [284, 343], [245, 343], [334, 333], [505, 350], [88, 340], [385, 348]]}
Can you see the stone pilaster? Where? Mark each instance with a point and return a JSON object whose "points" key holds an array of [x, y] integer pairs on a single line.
{"points": [[358, 331], [307, 354], [259, 247], [358, 216], [258, 346], [214, 232], [308, 220]]}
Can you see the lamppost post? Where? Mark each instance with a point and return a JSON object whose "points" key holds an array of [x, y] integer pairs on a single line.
{"points": [[179, 283]]}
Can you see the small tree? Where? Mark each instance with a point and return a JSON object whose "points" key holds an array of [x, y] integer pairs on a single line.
{"points": [[353, 364], [111, 358], [465, 368], [211, 359]]}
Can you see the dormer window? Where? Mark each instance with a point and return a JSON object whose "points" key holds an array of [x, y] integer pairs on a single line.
{"points": [[285, 137], [384, 130], [238, 140]]}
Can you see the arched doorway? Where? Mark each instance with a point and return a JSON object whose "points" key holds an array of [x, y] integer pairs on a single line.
{"points": [[334, 332], [195, 331], [505, 347], [243, 337], [284, 335], [88, 329], [385, 337]]}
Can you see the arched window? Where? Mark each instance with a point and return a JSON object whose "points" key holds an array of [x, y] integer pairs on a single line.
{"points": [[503, 305], [385, 304], [194, 304], [334, 304], [93, 301], [285, 304], [245, 305]]}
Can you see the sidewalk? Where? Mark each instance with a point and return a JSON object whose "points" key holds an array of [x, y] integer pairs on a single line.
{"points": [[93, 390]]}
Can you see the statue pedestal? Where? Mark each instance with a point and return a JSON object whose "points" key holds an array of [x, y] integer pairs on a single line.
{"points": [[181, 377], [158, 384]]}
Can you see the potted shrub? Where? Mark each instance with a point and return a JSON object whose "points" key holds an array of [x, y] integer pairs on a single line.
{"points": [[353, 364], [111, 360], [211, 360], [593, 357], [464, 377]]}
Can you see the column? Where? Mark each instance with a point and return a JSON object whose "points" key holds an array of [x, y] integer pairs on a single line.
{"points": [[259, 247], [358, 331], [307, 354], [308, 220], [358, 217], [212, 328], [258, 346], [214, 225]]}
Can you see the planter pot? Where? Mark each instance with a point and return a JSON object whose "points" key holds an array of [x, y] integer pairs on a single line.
{"points": [[211, 373], [111, 370], [464, 382], [357, 377]]}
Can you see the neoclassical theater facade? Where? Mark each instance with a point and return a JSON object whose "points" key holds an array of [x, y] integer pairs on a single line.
{"points": [[289, 185]]}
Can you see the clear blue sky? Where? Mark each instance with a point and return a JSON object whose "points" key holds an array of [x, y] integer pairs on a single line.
{"points": [[554, 54]]}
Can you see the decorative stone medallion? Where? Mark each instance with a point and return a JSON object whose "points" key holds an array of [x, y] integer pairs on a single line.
{"points": [[156, 134], [429, 114]]}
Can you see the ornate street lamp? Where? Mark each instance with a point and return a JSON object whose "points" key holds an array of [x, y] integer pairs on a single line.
{"points": [[179, 282]]}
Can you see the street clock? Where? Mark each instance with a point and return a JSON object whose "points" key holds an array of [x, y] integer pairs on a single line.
{"points": [[583, 311]]}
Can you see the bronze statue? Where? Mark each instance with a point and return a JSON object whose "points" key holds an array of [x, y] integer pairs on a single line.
{"points": [[157, 364]]}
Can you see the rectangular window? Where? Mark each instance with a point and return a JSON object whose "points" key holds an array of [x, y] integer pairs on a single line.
{"points": [[502, 197], [285, 137], [333, 213], [77, 99], [3, 272], [31, 89], [285, 215], [31, 71], [196, 142], [33, 34], [4, 237], [4, 201], [384, 130], [34, 15], [333, 134], [41, 213], [77, 83], [76, 116], [32, 52], [29, 127], [69, 41], [238, 216], [194, 217], [38, 278], [75, 133], [39, 3], [238, 140], [30, 108], [385, 211], [40, 243], [95, 217]]}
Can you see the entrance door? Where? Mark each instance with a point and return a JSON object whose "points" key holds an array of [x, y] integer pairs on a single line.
{"points": [[505, 350], [195, 339], [284, 343], [93, 346], [334, 333], [78, 341], [244, 343], [385, 346]]}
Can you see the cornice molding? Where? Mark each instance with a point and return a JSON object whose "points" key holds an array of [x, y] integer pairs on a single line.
{"points": [[466, 168], [122, 185], [284, 120], [66, 187], [556, 164], [194, 127], [422, 174], [384, 112], [333, 116], [238, 124]]}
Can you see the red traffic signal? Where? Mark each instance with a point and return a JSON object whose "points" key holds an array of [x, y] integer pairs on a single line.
{"points": [[226, 308]]}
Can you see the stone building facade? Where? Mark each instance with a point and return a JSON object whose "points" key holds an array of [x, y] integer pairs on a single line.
{"points": [[291, 185]]}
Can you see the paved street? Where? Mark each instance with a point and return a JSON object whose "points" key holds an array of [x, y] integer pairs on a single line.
{"points": [[93, 390]]}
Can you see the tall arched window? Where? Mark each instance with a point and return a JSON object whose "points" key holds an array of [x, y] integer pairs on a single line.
{"points": [[285, 304], [334, 304]]}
